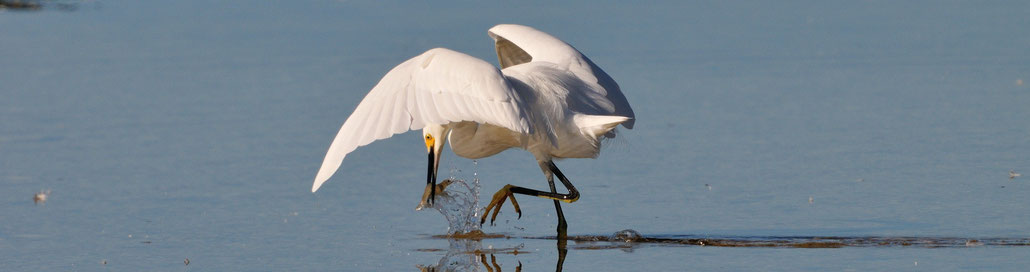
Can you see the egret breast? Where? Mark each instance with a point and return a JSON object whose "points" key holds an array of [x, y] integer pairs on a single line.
{"points": [[474, 141]]}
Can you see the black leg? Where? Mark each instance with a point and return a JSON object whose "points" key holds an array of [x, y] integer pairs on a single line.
{"points": [[572, 196], [562, 226], [509, 190]]}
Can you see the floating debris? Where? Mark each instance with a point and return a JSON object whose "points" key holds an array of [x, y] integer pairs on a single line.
{"points": [[20, 5], [41, 197], [471, 235], [1013, 174], [36, 5], [627, 235], [974, 242], [811, 200]]}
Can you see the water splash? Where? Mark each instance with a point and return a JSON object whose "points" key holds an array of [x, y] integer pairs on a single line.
{"points": [[458, 201]]}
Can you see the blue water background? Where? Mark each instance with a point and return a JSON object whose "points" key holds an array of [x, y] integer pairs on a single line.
{"points": [[169, 130]]}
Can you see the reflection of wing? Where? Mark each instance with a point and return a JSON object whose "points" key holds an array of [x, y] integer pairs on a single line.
{"points": [[518, 44], [438, 87]]}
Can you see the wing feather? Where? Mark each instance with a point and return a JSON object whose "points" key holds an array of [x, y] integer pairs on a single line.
{"points": [[518, 44], [438, 87]]}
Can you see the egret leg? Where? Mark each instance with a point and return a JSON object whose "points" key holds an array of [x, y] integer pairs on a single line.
{"points": [[498, 200], [509, 190], [562, 226]]}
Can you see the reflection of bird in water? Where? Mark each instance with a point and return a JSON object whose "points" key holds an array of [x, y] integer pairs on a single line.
{"points": [[549, 99], [469, 255]]}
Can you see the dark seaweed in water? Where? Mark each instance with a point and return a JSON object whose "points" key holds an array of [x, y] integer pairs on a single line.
{"points": [[626, 238], [626, 235], [20, 5], [34, 5]]}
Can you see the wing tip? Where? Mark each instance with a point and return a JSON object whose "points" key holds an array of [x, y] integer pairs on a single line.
{"points": [[320, 179], [629, 123], [316, 185], [596, 125]]}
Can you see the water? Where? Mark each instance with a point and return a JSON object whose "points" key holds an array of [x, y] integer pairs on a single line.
{"points": [[193, 129]]}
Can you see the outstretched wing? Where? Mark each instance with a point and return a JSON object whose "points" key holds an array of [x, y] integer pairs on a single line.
{"points": [[518, 44], [438, 87]]}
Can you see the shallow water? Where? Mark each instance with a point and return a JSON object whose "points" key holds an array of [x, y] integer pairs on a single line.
{"points": [[193, 129]]}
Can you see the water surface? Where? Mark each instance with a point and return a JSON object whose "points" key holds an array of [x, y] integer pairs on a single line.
{"points": [[193, 129]]}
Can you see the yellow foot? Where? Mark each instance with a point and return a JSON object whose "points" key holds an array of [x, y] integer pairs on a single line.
{"points": [[497, 202]]}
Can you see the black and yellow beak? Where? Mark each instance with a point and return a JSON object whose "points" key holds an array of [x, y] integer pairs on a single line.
{"points": [[433, 165]]}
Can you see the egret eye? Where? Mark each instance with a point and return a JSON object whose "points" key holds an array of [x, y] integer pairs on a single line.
{"points": [[429, 141]]}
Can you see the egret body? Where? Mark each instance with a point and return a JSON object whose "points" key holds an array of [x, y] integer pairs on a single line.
{"points": [[548, 98]]}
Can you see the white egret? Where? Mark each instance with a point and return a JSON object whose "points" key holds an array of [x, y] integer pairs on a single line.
{"points": [[549, 99]]}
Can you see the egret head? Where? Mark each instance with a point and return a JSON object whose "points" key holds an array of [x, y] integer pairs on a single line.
{"points": [[435, 137]]}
